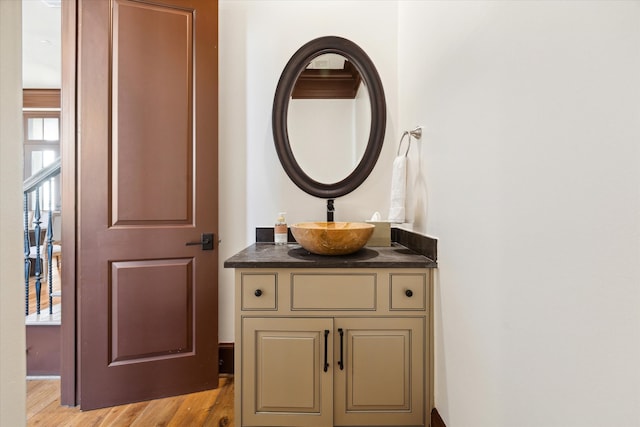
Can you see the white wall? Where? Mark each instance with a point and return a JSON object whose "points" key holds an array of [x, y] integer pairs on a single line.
{"points": [[12, 331], [328, 137], [256, 40], [529, 175], [321, 136]]}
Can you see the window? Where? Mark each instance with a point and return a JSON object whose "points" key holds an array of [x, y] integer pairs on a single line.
{"points": [[43, 129], [41, 148]]}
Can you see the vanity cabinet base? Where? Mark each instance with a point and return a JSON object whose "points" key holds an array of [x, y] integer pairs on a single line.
{"points": [[326, 367]]}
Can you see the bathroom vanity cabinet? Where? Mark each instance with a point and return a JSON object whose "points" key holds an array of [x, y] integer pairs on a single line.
{"points": [[325, 344]]}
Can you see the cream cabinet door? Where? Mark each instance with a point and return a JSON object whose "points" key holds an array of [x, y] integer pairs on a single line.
{"points": [[287, 372], [379, 371]]}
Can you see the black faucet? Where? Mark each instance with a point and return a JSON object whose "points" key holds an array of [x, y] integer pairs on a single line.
{"points": [[330, 210]]}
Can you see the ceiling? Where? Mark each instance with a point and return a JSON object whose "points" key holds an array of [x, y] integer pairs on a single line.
{"points": [[41, 42]]}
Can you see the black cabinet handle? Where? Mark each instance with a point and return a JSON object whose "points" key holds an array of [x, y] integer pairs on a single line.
{"points": [[408, 293], [341, 361], [258, 292], [326, 342]]}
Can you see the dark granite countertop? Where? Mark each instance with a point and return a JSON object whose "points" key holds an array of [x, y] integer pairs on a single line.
{"points": [[292, 255]]}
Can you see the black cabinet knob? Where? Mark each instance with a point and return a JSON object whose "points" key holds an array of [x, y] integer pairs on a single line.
{"points": [[408, 293], [258, 292]]}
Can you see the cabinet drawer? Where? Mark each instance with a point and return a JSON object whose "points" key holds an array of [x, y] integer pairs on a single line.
{"points": [[259, 291], [408, 291], [333, 291]]}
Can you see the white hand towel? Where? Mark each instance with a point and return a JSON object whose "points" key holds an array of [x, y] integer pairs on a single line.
{"points": [[398, 189]]}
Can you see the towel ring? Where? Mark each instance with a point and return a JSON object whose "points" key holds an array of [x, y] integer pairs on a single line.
{"points": [[416, 133], [406, 132]]}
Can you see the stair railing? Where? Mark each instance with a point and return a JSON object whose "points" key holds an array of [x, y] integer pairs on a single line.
{"points": [[33, 184]]}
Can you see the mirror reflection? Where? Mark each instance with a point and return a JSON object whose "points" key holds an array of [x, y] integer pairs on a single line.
{"points": [[329, 118]]}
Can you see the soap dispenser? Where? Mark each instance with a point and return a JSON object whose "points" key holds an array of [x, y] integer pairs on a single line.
{"points": [[280, 230]]}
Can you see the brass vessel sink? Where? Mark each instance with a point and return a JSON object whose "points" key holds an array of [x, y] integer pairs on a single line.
{"points": [[332, 238]]}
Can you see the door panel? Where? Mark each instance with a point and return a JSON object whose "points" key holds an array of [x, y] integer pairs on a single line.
{"points": [[147, 173], [165, 327], [159, 121], [382, 382], [283, 377], [388, 387]]}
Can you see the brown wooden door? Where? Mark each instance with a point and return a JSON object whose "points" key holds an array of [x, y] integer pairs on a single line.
{"points": [[147, 185]]}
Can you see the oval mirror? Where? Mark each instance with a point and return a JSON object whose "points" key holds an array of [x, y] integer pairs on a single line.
{"points": [[329, 117]]}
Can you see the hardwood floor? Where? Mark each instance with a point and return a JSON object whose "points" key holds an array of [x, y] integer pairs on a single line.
{"points": [[212, 408]]}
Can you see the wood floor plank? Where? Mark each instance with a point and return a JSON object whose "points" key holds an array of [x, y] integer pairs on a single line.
{"points": [[195, 409], [221, 413], [123, 415], [53, 415], [92, 418], [41, 394], [206, 408], [158, 412]]}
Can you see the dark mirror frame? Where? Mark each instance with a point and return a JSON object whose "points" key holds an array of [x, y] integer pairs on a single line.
{"points": [[296, 65]]}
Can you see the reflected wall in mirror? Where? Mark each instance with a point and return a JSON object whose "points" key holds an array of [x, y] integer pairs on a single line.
{"points": [[329, 117]]}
